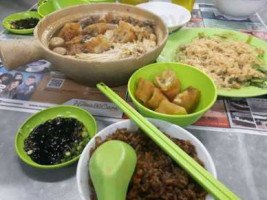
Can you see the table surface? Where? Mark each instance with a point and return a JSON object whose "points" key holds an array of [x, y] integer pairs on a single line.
{"points": [[239, 155]]}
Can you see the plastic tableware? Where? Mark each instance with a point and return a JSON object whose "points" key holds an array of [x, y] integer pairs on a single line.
{"points": [[17, 16], [188, 76], [173, 15], [54, 5], [196, 171], [102, 1], [187, 35], [58, 111], [111, 168], [133, 2], [45, 8]]}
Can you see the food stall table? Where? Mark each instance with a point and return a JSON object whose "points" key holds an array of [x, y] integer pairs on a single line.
{"points": [[239, 154]]}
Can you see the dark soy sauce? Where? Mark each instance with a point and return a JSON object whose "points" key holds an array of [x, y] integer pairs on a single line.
{"points": [[48, 142]]}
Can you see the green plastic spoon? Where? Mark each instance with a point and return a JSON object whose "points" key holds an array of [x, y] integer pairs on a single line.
{"points": [[111, 168]]}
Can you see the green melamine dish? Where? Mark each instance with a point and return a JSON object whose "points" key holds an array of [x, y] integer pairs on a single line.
{"points": [[58, 111], [188, 76], [103, 1], [17, 16], [54, 5], [45, 8], [187, 35]]}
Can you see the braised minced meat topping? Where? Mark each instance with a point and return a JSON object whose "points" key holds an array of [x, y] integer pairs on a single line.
{"points": [[156, 175]]}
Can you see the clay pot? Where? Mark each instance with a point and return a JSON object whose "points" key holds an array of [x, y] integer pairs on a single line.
{"points": [[16, 53]]}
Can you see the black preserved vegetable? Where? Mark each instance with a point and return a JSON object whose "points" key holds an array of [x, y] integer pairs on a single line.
{"points": [[24, 23], [55, 141]]}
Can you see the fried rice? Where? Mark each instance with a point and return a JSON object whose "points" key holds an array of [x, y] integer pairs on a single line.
{"points": [[230, 63]]}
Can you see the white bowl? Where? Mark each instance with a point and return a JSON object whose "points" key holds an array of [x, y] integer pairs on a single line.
{"points": [[172, 130], [173, 15], [239, 9]]}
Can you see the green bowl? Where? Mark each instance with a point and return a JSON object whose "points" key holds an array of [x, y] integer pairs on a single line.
{"points": [[188, 76], [59, 111], [48, 7], [16, 16]]}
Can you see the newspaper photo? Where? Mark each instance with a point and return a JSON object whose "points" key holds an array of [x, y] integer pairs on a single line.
{"points": [[215, 117]]}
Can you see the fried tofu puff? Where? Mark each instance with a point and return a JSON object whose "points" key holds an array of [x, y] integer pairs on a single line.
{"points": [[70, 30], [97, 44], [144, 90], [168, 83], [167, 107], [124, 33], [99, 28], [188, 99], [155, 99], [75, 40]]}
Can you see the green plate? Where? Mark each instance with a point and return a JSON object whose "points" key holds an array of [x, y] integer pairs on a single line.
{"points": [[16, 16], [48, 7], [59, 111], [187, 35]]}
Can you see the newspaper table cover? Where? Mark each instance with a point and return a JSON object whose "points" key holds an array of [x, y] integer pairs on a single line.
{"points": [[37, 86]]}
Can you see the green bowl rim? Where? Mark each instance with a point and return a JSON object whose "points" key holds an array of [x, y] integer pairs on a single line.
{"points": [[20, 31], [34, 164], [44, 5], [194, 114], [40, 13]]}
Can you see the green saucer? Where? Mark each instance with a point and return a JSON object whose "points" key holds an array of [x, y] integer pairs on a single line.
{"points": [[48, 7], [17, 16], [58, 111]]}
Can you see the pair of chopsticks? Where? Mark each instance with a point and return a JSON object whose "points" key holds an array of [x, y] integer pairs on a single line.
{"points": [[196, 171]]}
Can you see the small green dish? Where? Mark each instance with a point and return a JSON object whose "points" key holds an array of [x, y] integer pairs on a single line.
{"points": [[48, 7], [188, 76], [58, 111], [17, 16]]}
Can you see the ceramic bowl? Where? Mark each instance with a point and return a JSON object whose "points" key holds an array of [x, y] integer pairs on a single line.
{"points": [[113, 73], [171, 129], [239, 9], [174, 16]]}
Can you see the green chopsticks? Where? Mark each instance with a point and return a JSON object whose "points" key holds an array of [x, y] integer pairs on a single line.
{"points": [[196, 171]]}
